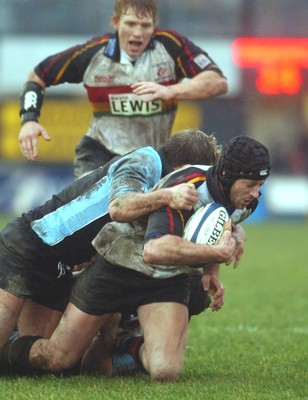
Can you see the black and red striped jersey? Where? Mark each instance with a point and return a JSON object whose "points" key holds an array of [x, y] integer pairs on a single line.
{"points": [[170, 221], [123, 121]]}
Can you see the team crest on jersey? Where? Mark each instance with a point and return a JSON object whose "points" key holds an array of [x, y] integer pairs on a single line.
{"points": [[161, 71], [202, 61]]}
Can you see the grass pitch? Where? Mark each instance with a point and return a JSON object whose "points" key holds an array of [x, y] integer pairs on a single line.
{"points": [[256, 347]]}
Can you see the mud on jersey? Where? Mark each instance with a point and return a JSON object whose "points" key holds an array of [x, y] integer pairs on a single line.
{"points": [[122, 243], [170, 221], [68, 222], [123, 121]]}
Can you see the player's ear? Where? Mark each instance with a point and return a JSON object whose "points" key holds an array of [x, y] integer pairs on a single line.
{"points": [[115, 22]]}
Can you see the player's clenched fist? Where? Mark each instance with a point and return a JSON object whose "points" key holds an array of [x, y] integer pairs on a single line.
{"points": [[183, 196]]}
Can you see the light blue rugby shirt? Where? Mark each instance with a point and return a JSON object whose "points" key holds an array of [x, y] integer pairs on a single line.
{"points": [[137, 171]]}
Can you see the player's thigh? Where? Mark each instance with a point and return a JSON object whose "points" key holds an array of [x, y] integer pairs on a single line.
{"points": [[10, 307], [37, 320], [165, 329]]}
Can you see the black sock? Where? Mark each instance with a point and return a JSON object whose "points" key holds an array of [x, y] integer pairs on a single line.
{"points": [[14, 357]]}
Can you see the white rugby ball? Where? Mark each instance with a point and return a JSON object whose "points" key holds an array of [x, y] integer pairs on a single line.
{"points": [[206, 225]]}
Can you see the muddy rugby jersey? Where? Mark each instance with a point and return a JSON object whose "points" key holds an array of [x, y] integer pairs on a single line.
{"points": [[108, 74], [65, 225], [122, 243]]}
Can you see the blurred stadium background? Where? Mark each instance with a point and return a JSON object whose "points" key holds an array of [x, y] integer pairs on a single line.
{"points": [[262, 47]]}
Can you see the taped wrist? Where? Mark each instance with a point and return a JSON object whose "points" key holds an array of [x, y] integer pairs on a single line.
{"points": [[31, 100]]}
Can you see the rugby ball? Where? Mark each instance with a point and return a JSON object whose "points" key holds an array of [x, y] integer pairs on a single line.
{"points": [[206, 225]]}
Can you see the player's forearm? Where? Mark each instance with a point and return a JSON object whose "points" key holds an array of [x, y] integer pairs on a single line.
{"points": [[174, 250], [135, 205], [211, 269], [205, 85], [34, 78], [31, 99]]}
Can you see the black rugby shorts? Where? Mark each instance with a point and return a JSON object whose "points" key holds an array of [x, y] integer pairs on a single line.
{"points": [[105, 288], [89, 155], [29, 270]]}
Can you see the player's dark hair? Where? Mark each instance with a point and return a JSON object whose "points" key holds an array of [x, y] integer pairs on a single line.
{"points": [[142, 8], [191, 146]]}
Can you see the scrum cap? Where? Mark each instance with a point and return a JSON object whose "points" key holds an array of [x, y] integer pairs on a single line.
{"points": [[244, 158]]}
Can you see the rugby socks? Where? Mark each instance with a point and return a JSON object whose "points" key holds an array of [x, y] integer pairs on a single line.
{"points": [[131, 346], [123, 365], [125, 359], [14, 357]]}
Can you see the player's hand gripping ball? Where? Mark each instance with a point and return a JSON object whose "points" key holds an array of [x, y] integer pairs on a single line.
{"points": [[206, 225]]}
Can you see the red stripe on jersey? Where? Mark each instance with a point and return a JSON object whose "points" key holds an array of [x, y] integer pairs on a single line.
{"points": [[171, 220], [189, 54], [98, 94], [171, 212], [196, 177], [181, 42], [191, 57]]}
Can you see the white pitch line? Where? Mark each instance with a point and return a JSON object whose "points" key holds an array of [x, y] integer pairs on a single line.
{"points": [[258, 329]]}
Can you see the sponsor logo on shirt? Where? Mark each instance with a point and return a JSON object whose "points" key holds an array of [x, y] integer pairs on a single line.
{"points": [[106, 78], [131, 104]]}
